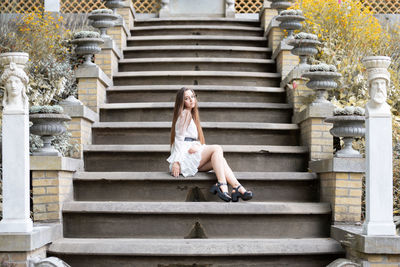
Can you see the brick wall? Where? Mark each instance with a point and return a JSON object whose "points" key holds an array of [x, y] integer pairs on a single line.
{"points": [[315, 135], [19, 259], [92, 92]]}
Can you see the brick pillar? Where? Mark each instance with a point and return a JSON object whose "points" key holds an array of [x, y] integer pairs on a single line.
{"points": [[314, 131], [298, 94], [341, 185], [274, 34], [81, 125], [285, 60], [108, 58], [92, 84], [128, 13], [266, 16], [119, 33], [52, 185]]}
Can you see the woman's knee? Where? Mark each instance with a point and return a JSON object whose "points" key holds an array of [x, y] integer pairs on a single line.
{"points": [[217, 149]]}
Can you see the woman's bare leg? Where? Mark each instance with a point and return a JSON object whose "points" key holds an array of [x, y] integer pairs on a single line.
{"points": [[215, 155], [231, 179]]}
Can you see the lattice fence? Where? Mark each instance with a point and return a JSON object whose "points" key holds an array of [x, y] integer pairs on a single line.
{"points": [[147, 6], [19, 6], [383, 6], [80, 6], [248, 6]]}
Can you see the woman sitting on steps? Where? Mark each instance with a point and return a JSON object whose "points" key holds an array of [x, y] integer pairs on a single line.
{"points": [[189, 154]]}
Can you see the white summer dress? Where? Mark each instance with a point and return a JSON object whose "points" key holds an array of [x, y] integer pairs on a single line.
{"points": [[179, 150]]}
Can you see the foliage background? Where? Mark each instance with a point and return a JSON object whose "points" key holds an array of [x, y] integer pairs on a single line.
{"points": [[349, 31]]}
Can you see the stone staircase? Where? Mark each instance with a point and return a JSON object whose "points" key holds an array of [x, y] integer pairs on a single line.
{"points": [[128, 211]]}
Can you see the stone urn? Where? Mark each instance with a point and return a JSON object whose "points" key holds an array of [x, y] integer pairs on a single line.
{"points": [[290, 21], [304, 46], [348, 123], [103, 19], [114, 4], [87, 44], [373, 62], [19, 58], [322, 78], [280, 5], [48, 121]]}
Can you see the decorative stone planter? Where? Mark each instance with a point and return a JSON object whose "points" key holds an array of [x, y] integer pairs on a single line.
{"points": [[290, 21], [19, 58], [87, 45], [348, 127], [322, 78], [304, 46], [376, 62], [114, 4], [280, 5], [47, 125], [103, 19]]}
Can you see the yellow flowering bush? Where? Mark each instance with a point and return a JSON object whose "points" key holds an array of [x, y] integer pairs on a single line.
{"points": [[349, 32]]}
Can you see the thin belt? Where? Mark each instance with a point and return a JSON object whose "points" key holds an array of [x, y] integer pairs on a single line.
{"points": [[190, 139]]}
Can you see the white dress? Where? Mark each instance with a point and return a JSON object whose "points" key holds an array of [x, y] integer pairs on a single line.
{"points": [[179, 150]]}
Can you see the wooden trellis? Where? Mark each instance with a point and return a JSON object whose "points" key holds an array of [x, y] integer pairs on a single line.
{"points": [[81, 6], [147, 6], [20, 6], [248, 6], [383, 6]]}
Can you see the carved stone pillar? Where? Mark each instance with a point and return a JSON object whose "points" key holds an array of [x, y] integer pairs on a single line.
{"points": [[15, 130], [230, 8], [379, 176]]}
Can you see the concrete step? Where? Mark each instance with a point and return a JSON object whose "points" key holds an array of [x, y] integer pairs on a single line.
{"points": [[243, 252], [159, 51], [197, 21], [224, 133], [197, 64], [198, 40], [95, 219], [197, 30], [206, 93], [209, 111], [161, 186], [144, 158], [198, 78]]}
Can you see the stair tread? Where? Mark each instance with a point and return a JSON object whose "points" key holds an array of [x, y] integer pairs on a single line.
{"points": [[196, 27], [197, 59], [197, 19], [195, 37], [196, 88], [218, 125], [220, 208], [226, 148], [197, 73], [198, 47], [202, 105], [200, 176], [196, 247]]}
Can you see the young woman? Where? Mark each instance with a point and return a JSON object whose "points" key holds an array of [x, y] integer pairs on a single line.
{"points": [[189, 153]]}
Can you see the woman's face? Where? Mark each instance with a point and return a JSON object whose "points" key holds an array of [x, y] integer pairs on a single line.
{"points": [[189, 99], [14, 86]]}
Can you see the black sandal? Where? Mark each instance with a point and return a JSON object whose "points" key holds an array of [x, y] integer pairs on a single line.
{"points": [[215, 189], [236, 195]]}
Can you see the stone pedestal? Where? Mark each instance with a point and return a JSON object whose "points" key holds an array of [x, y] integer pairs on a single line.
{"points": [[16, 208], [341, 185], [266, 16], [315, 132], [127, 13], [297, 93], [16, 249], [379, 182], [367, 251], [119, 33], [92, 84]]}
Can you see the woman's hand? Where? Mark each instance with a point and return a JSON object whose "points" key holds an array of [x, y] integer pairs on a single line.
{"points": [[194, 148], [176, 169]]}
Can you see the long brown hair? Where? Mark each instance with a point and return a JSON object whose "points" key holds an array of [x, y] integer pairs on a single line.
{"points": [[179, 106]]}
